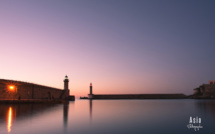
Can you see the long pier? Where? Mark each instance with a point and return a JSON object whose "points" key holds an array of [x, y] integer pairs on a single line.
{"points": [[137, 96]]}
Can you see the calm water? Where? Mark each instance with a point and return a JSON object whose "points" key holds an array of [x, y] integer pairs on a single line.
{"points": [[108, 117]]}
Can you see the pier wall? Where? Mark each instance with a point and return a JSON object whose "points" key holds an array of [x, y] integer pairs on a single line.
{"points": [[23, 90], [139, 96]]}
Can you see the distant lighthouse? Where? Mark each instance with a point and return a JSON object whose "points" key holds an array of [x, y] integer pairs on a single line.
{"points": [[91, 88], [66, 83], [90, 96]]}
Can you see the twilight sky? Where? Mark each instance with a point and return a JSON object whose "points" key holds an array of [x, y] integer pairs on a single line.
{"points": [[121, 46]]}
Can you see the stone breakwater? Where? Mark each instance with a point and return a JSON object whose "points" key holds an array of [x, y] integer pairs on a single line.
{"points": [[139, 96], [28, 92]]}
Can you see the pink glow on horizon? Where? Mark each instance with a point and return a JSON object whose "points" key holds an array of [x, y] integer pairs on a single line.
{"points": [[120, 48]]}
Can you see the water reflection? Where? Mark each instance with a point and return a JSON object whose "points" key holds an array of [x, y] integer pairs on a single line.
{"points": [[91, 110], [9, 119], [107, 116], [206, 106], [65, 114], [9, 112]]}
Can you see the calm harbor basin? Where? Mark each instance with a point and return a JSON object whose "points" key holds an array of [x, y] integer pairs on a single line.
{"points": [[110, 117]]}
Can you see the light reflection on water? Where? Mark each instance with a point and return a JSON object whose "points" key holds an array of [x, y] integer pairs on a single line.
{"points": [[107, 117], [10, 117]]}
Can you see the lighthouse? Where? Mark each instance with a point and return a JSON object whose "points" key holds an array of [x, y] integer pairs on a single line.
{"points": [[91, 88], [90, 96], [66, 83]]}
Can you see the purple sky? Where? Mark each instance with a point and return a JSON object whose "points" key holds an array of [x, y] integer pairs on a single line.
{"points": [[136, 46]]}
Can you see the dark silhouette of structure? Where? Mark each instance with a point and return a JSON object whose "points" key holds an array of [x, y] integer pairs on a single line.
{"points": [[23, 91], [90, 96], [66, 83], [133, 96], [205, 91], [91, 88]]}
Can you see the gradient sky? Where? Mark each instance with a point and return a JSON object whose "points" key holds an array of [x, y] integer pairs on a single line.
{"points": [[121, 46]]}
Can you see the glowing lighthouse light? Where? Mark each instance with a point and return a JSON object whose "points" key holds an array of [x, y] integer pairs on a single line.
{"points": [[11, 87]]}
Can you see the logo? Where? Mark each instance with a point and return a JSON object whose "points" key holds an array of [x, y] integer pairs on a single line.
{"points": [[195, 123]]}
